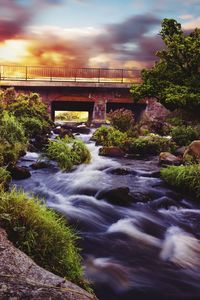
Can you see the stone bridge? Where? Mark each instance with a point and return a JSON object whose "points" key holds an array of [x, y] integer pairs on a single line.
{"points": [[79, 89]]}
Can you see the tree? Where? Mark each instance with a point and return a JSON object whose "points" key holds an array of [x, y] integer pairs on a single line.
{"points": [[175, 78]]}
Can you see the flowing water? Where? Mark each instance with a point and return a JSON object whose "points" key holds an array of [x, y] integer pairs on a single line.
{"points": [[147, 250]]}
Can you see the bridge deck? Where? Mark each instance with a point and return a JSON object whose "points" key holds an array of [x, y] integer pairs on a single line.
{"points": [[63, 75]]}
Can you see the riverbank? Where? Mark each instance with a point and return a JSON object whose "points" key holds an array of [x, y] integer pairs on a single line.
{"points": [[125, 247]]}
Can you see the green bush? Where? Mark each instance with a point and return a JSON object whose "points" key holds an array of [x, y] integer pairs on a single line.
{"points": [[32, 126], [184, 135], [4, 178], [41, 234], [67, 152], [150, 145], [27, 106], [109, 136], [121, 119], [11, 130], [185, 178], [175, 121], [12, 139]]}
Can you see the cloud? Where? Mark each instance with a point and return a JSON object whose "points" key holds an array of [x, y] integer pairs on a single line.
{"points": [[192, 24], [13, 18], [115, 45]]}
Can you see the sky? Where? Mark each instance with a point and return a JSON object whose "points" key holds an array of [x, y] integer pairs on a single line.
{"points": [[88, 33]]}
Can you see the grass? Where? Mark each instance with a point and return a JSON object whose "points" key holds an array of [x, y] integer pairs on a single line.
{"points": [[41, 233], [68, 152], [185, 178], [4, 178]]}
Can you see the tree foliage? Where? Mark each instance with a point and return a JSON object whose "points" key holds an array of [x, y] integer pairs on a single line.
{"points": [[175, 78]]}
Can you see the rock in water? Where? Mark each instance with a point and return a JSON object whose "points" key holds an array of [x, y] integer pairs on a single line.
{"points": [[19, 173], [39, 165], [166, 158], [119, 196], [21, 278], [111, 152]]}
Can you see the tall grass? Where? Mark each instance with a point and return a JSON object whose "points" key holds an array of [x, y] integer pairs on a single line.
{"points": [[41, 233], [185, 178]]}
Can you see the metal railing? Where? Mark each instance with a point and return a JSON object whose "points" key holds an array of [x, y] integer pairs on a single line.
{"points": [[43, 73]]}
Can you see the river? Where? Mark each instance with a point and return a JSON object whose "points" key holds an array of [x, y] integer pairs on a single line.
{"points": [[149, 249]]}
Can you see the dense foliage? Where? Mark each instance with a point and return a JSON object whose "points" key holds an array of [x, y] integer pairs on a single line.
{"points": [[175, 78], [41, 233], [22, 116], [4, 178], [109, 136], [185, 178], [68, 152], [121, 119], [12, 138], [142, 146], [184, 135], [149, 145]]}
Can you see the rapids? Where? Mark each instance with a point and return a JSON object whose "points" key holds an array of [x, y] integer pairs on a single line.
{"points": [[148, 250]]}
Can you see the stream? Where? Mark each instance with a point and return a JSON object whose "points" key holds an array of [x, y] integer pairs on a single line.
{"points": [[149, 249]]}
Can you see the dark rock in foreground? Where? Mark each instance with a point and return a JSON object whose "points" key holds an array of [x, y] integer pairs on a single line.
{"points": [[119, 196], [19, 173], [39, 165], [21, 278], [120, 171]]}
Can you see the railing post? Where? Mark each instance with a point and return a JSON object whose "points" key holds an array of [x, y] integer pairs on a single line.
{"points": [[99, 76], [50, 74], [122, 76], [26, 68]]}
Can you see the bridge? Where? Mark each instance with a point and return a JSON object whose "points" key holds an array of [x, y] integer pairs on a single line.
{"points": [[96, 90]]}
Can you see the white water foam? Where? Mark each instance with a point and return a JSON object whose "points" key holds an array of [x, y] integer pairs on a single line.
{"points": [[181, 248], [128, 227], [103, 269]]}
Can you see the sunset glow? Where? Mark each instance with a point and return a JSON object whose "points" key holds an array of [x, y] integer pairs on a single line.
{"points": [[13, 51], [87, 33]]}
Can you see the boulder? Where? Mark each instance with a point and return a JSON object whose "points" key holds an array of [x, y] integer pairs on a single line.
{"points": [[154, 111], [180, 151], [32, 148], [192, 152], [81, 129], [39, 165], [40, 141], [74, 128], [21, 278], [119, 196], [120, 171], [111, 152], [19, 173], [166, 158], [65, 132]]}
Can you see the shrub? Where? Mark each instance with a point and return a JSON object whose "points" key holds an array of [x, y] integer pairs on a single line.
{"points": [[150, 145], [32, 126], [121, 119], [186, 178], [109, 136], [184, 135], [11, 130], [67, 152], [4, 178], [12, 139], [41, 234], [10, 153]]}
